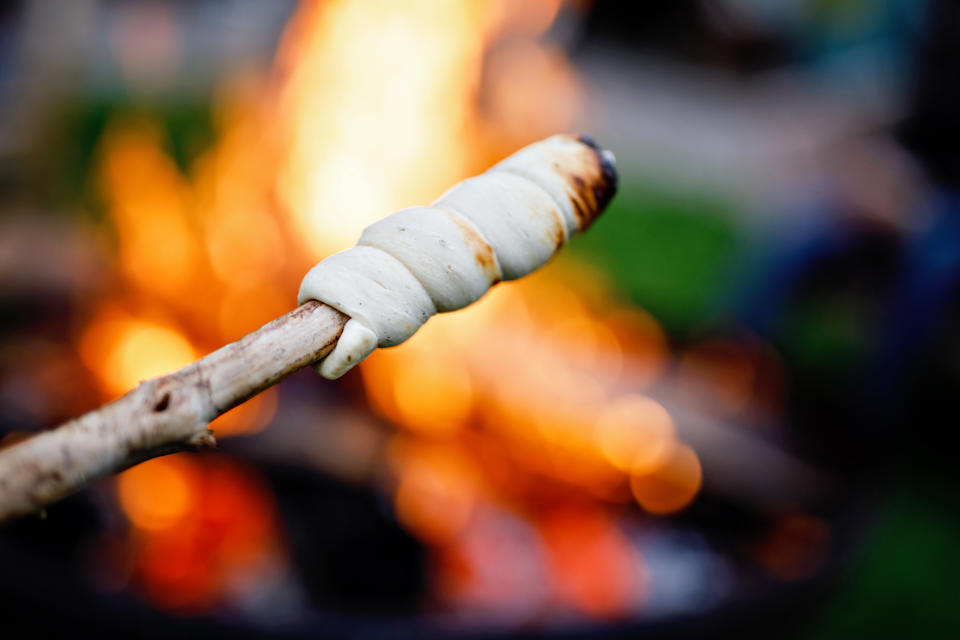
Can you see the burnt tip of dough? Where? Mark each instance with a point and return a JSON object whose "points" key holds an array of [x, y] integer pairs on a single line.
{"points": [[606, 188], [590, 142]]}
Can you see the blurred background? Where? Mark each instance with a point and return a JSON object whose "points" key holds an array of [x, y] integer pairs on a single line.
{"points": [[724, 409]]}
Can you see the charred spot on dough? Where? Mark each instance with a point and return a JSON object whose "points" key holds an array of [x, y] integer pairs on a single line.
{"points": [[482, 251], [602, 185], [557, 233], [485, 260], [605, 189], [585, 213], [559, 236], [588, 188], [581, 210]]}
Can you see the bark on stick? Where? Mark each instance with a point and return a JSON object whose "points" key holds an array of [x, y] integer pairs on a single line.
{"points": [[162, 415]]}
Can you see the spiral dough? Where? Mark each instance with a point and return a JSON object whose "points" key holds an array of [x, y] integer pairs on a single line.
{"points": [[500, 225]]}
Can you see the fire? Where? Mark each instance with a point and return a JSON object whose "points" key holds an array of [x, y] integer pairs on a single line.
{"points": [[157, 495], [635, 434], [150, 205], [125, 349], [597, 569], [555, 397], [201, 529], [437, 488], [534, 392], [671, 485], [543, 380], [379, 97]]}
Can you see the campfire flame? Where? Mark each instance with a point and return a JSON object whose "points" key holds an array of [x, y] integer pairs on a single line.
{"points": [[378, 104], [200, 529], [524, 412]]}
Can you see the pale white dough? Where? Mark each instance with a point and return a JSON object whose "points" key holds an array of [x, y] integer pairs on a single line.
{"points": [[356, 342], [372, 287], [499, 225], [441, 250], [520, 220], [542, 163]]}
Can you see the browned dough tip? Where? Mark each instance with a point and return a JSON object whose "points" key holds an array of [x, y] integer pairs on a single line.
{"points": [[592, 182]]}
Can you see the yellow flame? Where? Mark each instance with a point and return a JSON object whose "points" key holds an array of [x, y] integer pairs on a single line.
{"points": [[150, 205], [157, 494], [671, 486], [635, 434], [379, 98], [437, 487], [125, 350]]}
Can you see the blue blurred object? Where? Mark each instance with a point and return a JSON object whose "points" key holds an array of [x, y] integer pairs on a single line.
{"points": [[929, 275], [807, 228]]}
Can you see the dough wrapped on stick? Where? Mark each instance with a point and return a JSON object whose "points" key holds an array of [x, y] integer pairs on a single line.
{"points": [[500, 225], [497, 226]]}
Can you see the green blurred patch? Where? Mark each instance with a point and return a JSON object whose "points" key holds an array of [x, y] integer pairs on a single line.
{"points": [[904, 584], [672, 253], [829, 333], [69, 161]]}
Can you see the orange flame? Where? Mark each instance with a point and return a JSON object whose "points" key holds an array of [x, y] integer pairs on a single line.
{"points": [[201, 528], [375, 106], [378, 97]]}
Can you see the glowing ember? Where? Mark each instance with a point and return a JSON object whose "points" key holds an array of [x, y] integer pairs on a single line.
{"points": [[796, 548], [670, 486], [596, 569], [636, 434], [158, 494], [201, 529]]}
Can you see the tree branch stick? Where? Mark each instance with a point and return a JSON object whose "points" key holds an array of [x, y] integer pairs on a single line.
{"points": [[568, 180], [165, 414]]}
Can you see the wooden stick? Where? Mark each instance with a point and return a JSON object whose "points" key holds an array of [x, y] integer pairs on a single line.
{"points": [[165, 414], [568, 175]]}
